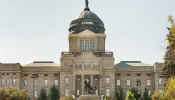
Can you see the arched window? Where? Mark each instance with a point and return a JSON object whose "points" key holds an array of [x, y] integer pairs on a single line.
{"points": [[87, 45], [81, 45], [92, 45]]}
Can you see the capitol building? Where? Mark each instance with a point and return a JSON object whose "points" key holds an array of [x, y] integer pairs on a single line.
{"points": [[86, 59]]}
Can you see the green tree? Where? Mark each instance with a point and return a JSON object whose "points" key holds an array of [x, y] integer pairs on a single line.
{"points": [[169, 90], [157, 95], [135, 92], [54, 93], [3, 95], [169, 58], [69, 98], [119, 94], [61, 99], [43, 94], [13, 94], [106, 98], [130, 96], [146, 95]]}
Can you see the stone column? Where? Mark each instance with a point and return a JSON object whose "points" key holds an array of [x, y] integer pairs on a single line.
{"points": [[74, 79], [73, 66], [92, 80], [82, 84], [101, 80], [82, 65], [91, 65]]}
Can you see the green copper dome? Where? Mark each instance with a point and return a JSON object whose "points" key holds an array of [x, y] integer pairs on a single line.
{"points": [[87, 20]]}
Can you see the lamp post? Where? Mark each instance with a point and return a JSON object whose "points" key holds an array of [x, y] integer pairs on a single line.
{"points": [[34, 76]]}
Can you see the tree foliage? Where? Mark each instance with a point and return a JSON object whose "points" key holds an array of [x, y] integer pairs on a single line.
{"points": [[157, 95], [61, 99], [169, 90], [130, 96], [146, 95], [169, 69], [54, 94], [106, 98], [13, 94], [119, 95], [69, 98], [43, 94], [135, 92]]}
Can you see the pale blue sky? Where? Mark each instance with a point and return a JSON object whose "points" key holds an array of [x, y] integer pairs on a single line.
{"points": [[37, 30]]}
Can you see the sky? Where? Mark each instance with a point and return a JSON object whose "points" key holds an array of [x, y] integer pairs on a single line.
{"points": [[37, 30]]}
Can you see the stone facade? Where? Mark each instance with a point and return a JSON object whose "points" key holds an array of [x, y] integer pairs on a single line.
{"points": [[140, 77], [86, 59], [98, 73]]}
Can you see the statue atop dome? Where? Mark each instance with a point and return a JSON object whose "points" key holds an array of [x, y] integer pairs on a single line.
{"points": [[87, 3]]}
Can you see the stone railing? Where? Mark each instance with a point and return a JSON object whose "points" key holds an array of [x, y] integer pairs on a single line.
{"points": [[105, 54], [71, 53], [97, 53]]}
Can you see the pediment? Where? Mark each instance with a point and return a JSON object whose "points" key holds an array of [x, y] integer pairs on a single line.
{"points": [[87, 33]]}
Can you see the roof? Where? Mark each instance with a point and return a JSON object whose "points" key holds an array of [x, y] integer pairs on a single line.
{"points": [[87, 20], [88, 15], [131, 63], [42, 64]]}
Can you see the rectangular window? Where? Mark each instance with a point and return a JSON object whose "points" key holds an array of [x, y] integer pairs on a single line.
{"points": [[66, 80], [7, 82], [138, 74], [96, 91], [3, 74], [14, 73], [66, 92], [118, 82], [25, 74], [35, 82], [55, 74], [139, 91], [118, 75], [13, 81], [107, 80], [56, 82], [128, 82], [87, 45], [160, 91], [160, 81], [47, 93], [128, 74], [81, 45], [45, 82], [107, 92], [78, 92], [148, 74], [25, 82], [3, 82], [149, 93], [36, 94], [148, 82], [7, 73], [45, 74], [92, 45]]}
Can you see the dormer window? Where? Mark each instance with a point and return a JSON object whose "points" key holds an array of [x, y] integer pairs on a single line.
{"points": [[92, 45], [87, 45], [81, 45]]}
